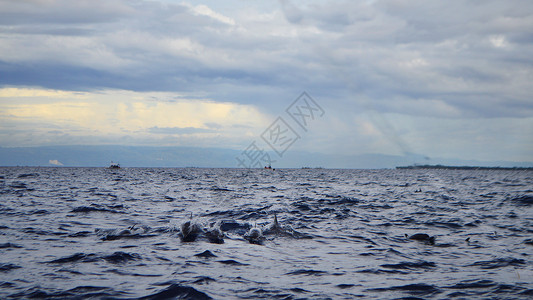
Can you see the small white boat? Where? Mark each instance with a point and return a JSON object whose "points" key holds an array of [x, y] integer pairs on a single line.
{"points": [[114, 165]]}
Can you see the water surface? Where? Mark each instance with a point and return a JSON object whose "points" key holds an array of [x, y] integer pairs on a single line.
{"points": [[94, 232]]}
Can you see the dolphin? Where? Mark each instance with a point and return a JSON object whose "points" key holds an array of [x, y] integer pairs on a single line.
{"points": [[423, 237], [214, 234], [255, 236], [189, 231]]}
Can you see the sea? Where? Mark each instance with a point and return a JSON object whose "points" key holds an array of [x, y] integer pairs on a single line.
{"points": [[98, 233]]}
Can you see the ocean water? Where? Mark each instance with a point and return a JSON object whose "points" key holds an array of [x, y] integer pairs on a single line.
{"points": [[72, 233]]}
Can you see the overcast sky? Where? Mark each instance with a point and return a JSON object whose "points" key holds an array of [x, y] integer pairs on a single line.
{"points": [[446, 79]]}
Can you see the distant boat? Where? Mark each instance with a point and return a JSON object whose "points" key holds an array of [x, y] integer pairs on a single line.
{"points": [[114, 165], [269, 168]]}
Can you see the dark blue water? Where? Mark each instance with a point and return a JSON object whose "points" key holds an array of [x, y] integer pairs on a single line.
{"points": [[89, 232]]}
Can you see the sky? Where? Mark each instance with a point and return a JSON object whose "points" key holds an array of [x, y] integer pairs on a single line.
{"points": [[448, 79]]}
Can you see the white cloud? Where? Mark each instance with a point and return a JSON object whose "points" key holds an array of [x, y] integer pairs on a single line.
{"points": [[55, 162], [498, 41], [203, 10]]}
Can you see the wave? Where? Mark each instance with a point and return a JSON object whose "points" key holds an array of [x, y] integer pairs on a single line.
{"points": [[96, 208], [205, 254], [118, 257], [124, 273], [487, 289], [80, 292], [499, 263], [420, 289], [78, 257], [345, 285], [410, 265], [476, 284], [9, 245], [4, 268], [203, 280], [29, 175], [20, 186], [117, 234], [176, 291], [232, 262], [524, 200], [308, 272]]}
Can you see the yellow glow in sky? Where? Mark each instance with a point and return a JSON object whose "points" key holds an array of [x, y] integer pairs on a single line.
{"points": [[119, 113]]}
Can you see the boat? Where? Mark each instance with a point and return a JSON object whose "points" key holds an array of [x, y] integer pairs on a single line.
{"points": [[269, 167], [114, 165]]}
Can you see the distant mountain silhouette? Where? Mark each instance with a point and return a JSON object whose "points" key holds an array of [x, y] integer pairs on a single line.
{"points": [[140, 156]]}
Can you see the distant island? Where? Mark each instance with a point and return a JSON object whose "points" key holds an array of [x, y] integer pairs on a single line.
{"points": [[463, 167]]}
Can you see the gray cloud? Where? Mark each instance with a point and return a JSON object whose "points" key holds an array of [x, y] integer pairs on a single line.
{"points": [[371, 40], [63, 11], [213, 125], [428, 50], [422, 50]]}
